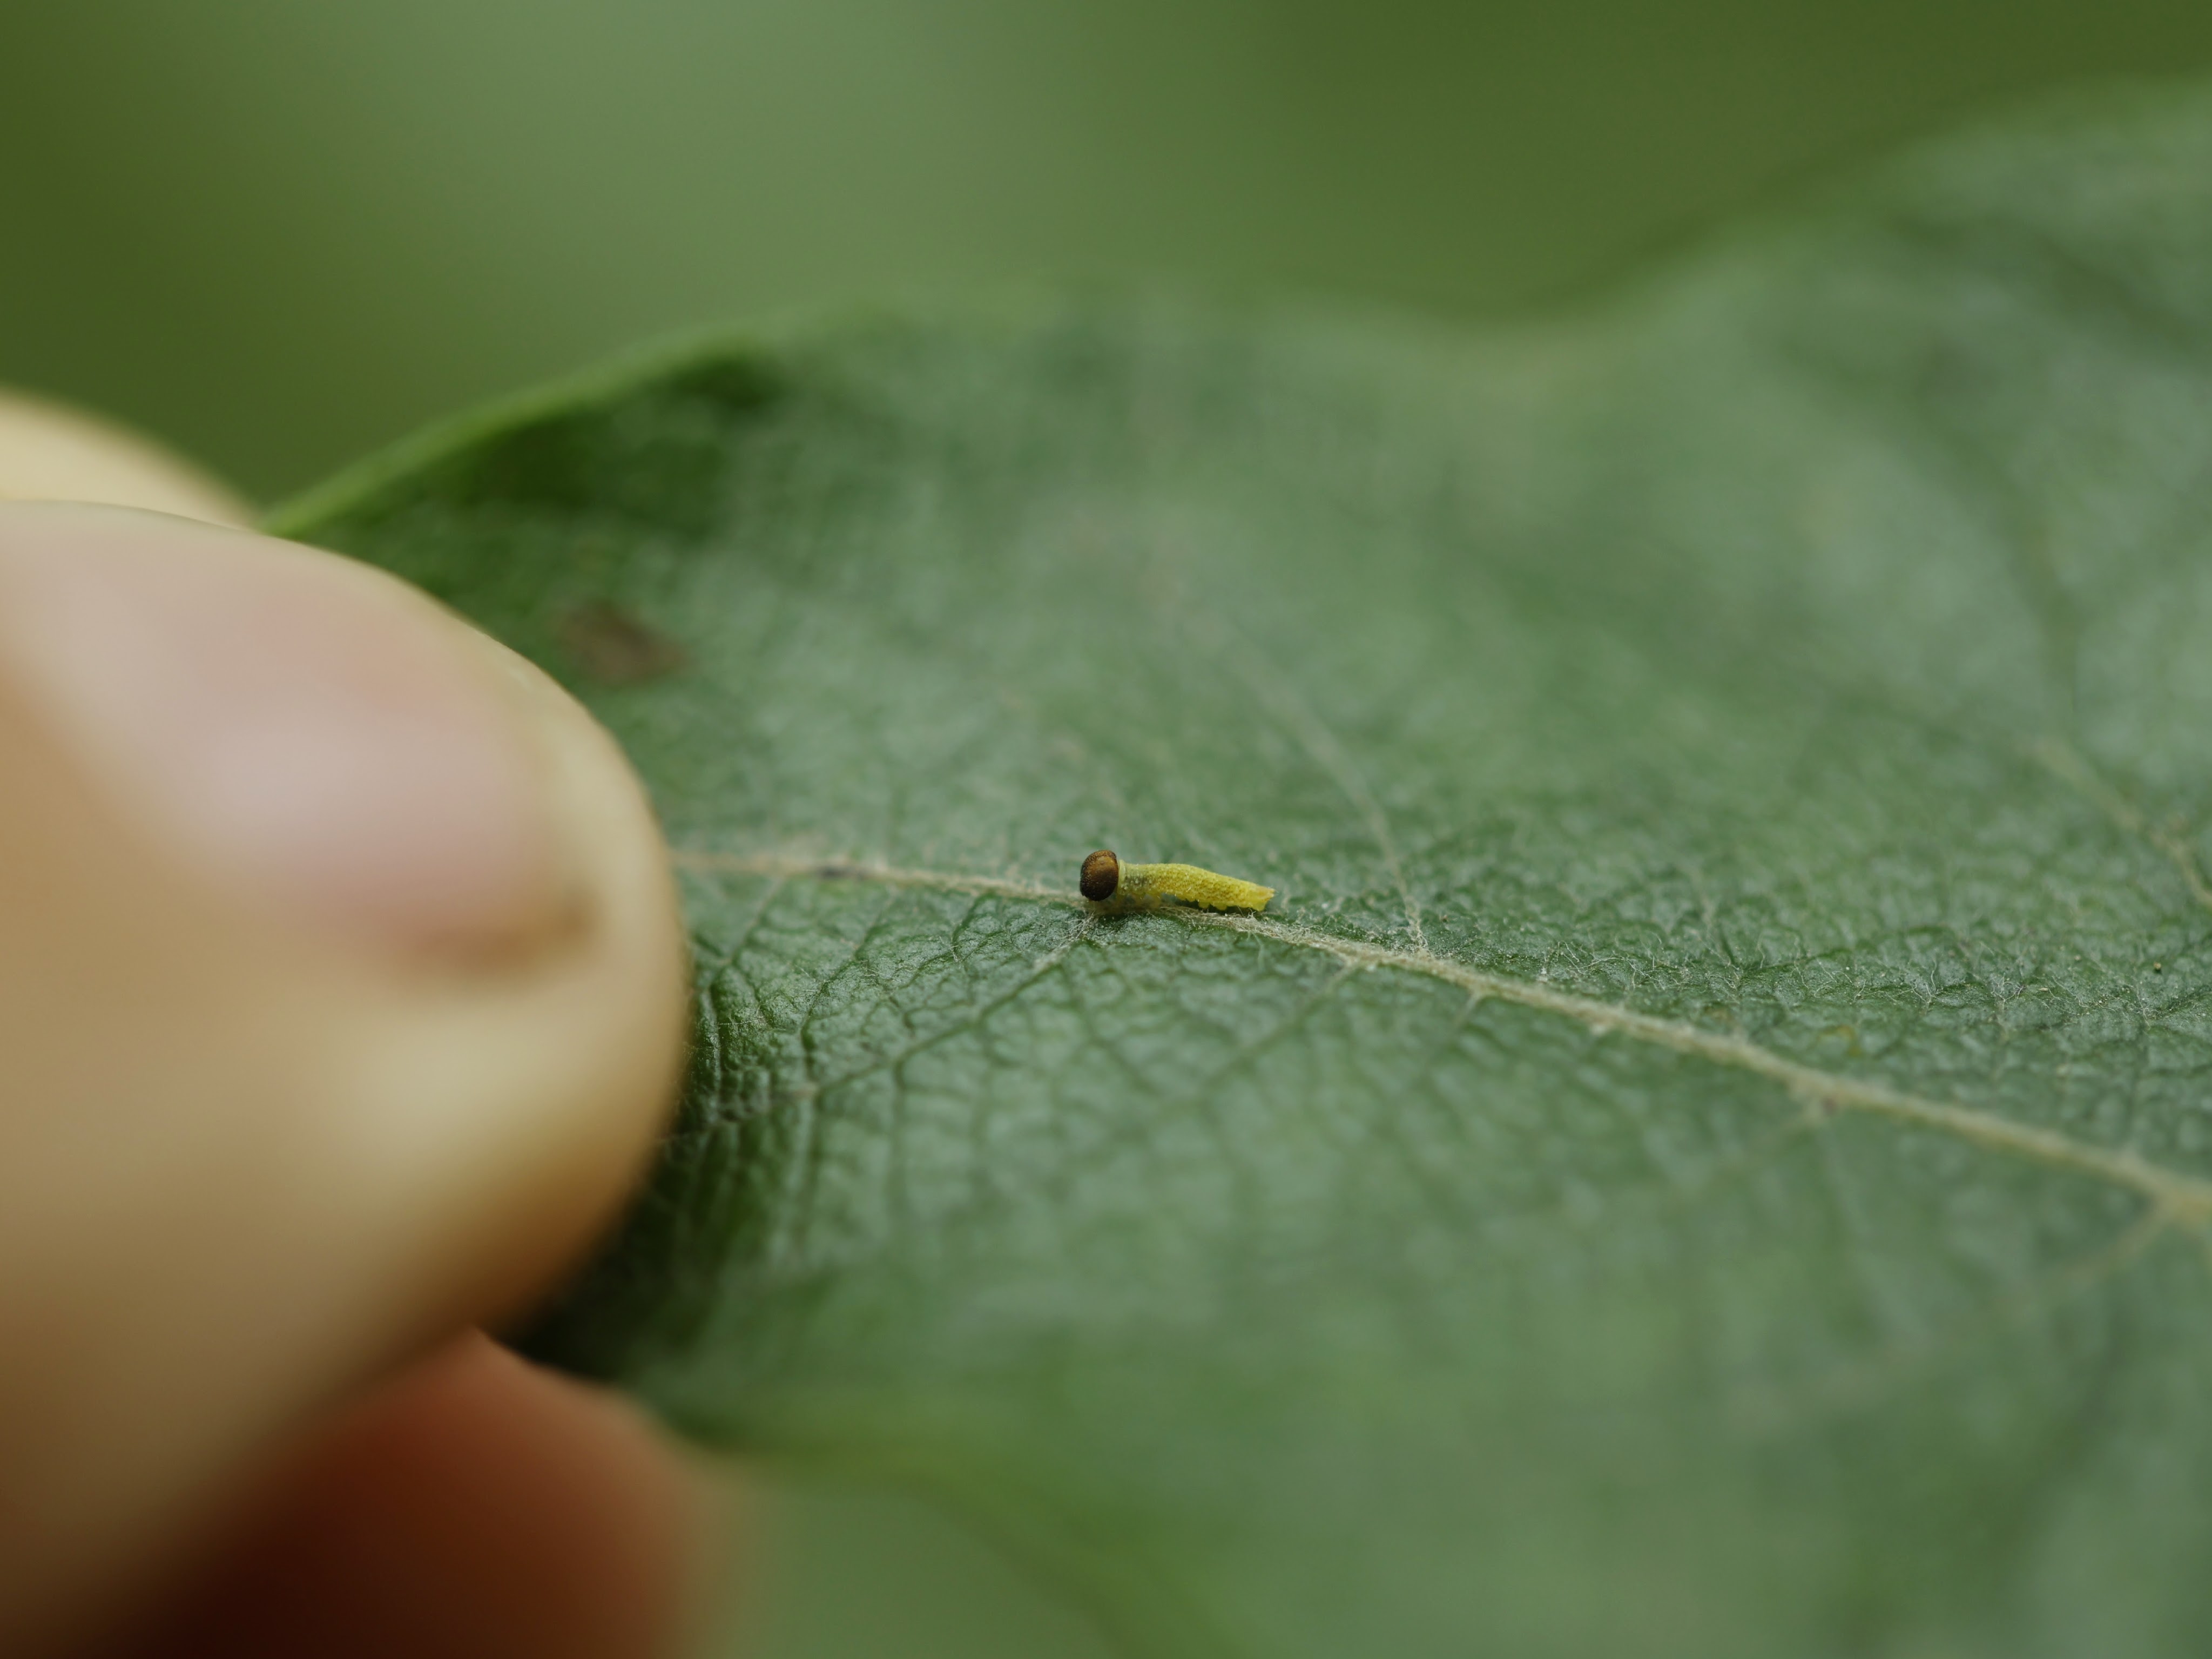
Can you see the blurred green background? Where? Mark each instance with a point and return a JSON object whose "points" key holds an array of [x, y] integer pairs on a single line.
{"points": [[282, 233]]}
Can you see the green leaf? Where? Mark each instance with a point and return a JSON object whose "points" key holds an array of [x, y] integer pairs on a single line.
{"points": [[1707, 1154]]}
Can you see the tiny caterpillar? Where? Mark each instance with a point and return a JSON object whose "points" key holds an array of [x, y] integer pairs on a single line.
{"points": [[1107, 880]]}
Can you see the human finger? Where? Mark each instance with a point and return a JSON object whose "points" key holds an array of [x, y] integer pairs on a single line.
{"points": [[341, 995]]}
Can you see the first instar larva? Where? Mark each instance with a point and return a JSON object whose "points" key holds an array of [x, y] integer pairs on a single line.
{"points": [[1107, 881]]}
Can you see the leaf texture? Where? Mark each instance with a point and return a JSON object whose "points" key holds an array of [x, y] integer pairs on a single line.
{"points": [[1708, 1152]]}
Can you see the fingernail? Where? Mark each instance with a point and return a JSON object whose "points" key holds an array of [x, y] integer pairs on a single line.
{"points": [[308, 731]]}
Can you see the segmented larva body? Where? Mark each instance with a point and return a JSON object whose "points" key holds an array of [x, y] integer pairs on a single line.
{"points": [[1107, 881]]}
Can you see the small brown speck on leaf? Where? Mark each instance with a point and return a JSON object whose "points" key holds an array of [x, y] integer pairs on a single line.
{"points": [[616, 648], [1102, 874]]}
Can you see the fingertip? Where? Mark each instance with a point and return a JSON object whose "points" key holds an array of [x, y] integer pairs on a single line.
{"points": [[247, 1163], [323, 739]]}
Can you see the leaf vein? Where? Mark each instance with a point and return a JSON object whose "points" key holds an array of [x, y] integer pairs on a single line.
{"points": [[2187, 1199], [2070, 766]]}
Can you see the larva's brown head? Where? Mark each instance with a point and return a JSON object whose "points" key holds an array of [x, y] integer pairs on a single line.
{"points": [[1102, 874]]}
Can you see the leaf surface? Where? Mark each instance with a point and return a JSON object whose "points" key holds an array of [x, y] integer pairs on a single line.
{"points": [[1708, 1152]]}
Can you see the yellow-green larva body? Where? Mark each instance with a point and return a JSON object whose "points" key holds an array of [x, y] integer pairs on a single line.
{"points": [[1109, 882], [1153, 883]]}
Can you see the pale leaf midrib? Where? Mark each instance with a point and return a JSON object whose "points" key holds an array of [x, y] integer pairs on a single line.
{"points": [[2185, 1199]]}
